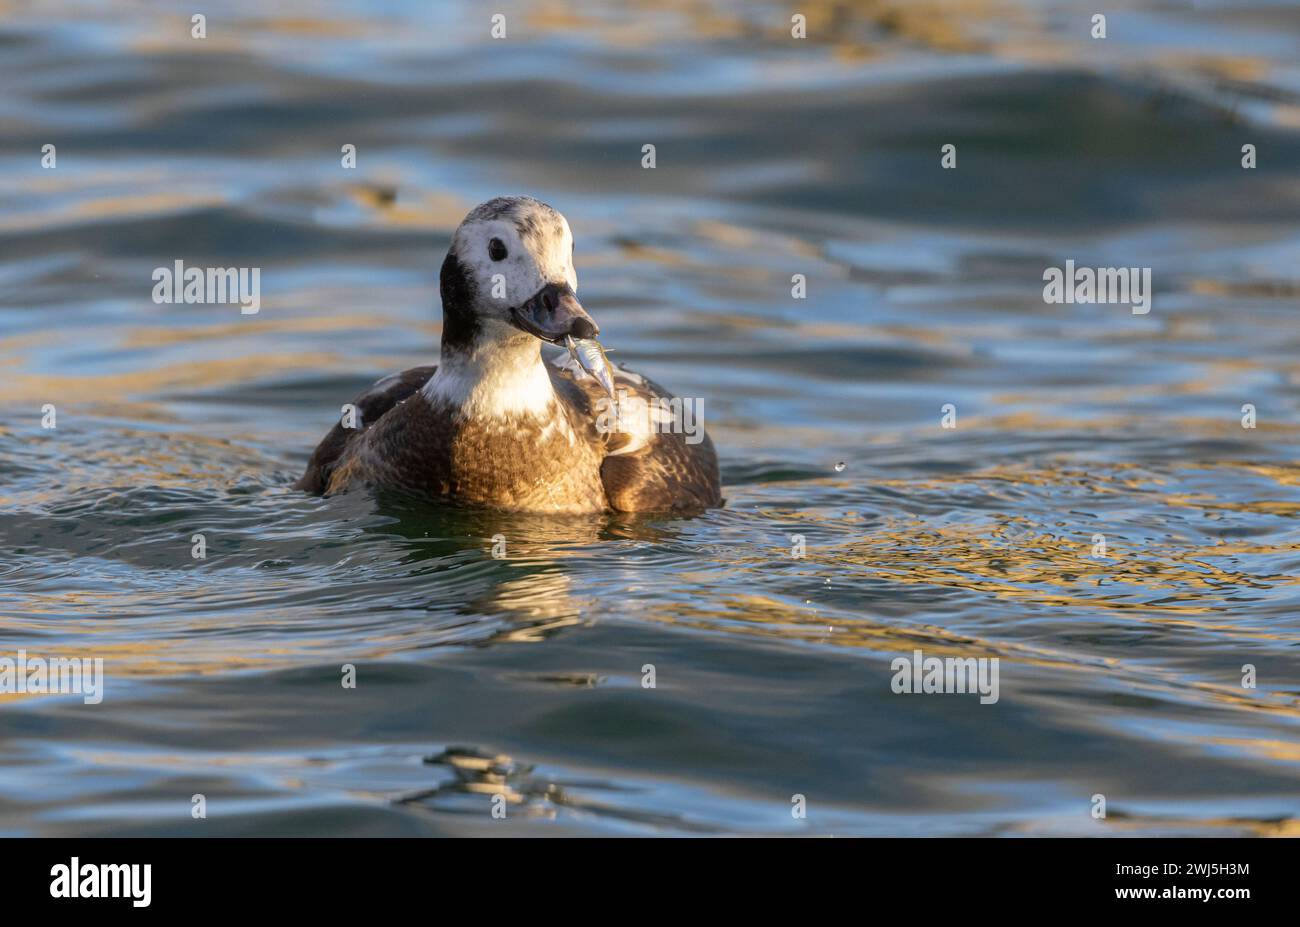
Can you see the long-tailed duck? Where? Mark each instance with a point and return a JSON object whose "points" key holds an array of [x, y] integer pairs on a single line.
{"points": [[494, 423]]}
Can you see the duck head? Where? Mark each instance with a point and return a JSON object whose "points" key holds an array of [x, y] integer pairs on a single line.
{"points": [[508, 278]]}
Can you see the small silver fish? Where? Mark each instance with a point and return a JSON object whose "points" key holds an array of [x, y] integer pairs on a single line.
{"points": [[591, 357]]}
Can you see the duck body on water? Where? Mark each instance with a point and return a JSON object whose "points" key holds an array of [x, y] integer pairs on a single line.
{"points": [[496, 424]]}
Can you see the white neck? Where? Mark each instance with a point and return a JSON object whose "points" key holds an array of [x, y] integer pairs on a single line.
{"points": [[500, 379]]}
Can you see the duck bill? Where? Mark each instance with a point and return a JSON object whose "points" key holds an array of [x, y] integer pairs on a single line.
{"points": [[553, 314]]}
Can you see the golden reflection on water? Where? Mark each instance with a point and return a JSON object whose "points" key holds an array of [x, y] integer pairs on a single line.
{"points": [[195, 375], [1174, 583], [520, 609], [1118, 822], [45, 214]]}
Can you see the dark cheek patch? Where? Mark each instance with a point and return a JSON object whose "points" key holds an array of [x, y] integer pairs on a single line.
{"points": [[460, 324]]}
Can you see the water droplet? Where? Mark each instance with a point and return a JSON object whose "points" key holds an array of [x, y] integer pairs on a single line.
{"points": [[839, 467]]}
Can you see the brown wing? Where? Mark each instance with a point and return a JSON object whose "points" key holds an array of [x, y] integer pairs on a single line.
{"points": [[659, 458], [371, 406]]}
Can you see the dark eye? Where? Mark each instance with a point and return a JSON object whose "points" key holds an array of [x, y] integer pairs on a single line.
{"points": [[496, 250]]}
